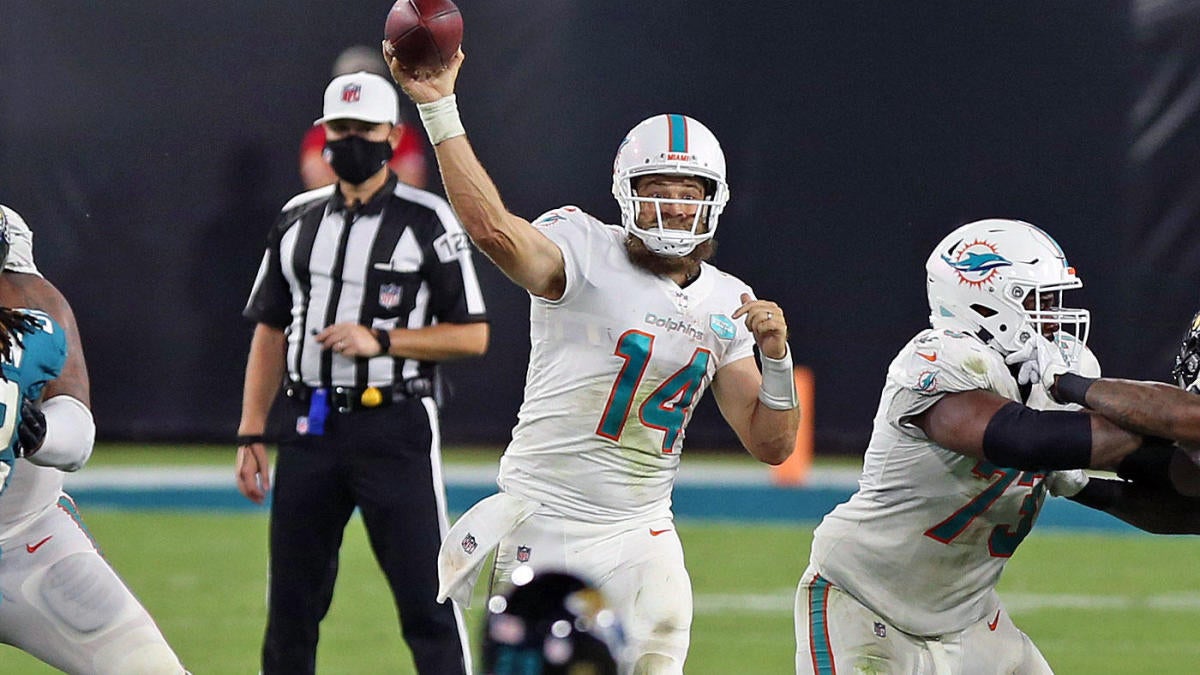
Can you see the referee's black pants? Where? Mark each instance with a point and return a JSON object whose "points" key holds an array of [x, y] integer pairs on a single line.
{"points": [[384, 461]]}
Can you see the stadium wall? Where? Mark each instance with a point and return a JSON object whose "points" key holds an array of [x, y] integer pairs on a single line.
{"points": [[149, 145]]}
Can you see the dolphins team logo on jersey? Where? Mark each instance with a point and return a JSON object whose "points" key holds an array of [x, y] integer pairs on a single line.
{"points": [[926, 381], [722, 326], [977, 262]]}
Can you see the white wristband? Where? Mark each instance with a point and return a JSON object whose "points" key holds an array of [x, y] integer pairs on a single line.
{"points": [[441, 119], [778, 391]]}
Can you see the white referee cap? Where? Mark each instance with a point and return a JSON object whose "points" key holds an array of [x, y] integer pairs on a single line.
{"points": [[361, 96]]}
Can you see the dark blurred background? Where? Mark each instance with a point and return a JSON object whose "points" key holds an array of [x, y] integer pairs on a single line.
{"points": [[149, 145]]}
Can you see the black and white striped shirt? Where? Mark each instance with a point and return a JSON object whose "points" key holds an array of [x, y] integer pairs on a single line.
{"points": [[401, 260]]}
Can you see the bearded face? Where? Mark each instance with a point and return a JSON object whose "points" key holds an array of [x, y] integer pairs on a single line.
{"points": [[678, 214], [658, 265]]}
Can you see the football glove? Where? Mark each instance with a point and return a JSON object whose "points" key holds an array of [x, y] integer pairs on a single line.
{"points": [[1041, 361], [31, 433]]}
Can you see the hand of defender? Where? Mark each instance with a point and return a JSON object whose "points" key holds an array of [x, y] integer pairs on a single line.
{"points": [[1041, 362], [31, 433], [423, 86]]}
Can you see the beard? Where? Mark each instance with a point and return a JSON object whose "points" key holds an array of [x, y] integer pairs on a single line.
{"points": [[644, 258]]}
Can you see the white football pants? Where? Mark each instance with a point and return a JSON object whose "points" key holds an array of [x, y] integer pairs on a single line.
{"points": [[61, 602], [835, 633], [639, 569]]}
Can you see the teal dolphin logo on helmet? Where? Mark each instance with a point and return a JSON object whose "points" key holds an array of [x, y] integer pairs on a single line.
{"points": [[978, 262]]}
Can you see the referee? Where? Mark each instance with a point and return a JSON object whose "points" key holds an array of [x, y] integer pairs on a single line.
{"points": [[364, 287]]}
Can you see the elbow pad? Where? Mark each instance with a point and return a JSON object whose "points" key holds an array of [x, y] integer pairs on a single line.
{"points": [[1019, 437], [70, 434]]}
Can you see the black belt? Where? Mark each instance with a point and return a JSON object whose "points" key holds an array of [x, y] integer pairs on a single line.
{"points": [[349, 399]]}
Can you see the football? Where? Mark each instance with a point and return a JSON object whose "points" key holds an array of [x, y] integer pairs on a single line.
{"points": [[424, 34]]}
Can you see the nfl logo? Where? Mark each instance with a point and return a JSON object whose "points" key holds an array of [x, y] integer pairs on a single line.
{"points": [[469, 544], [523, 554], [351, 93], [880, 630], [389, 295]]}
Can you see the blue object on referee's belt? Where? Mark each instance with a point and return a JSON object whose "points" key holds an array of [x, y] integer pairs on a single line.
{"points": [[318, 408]]}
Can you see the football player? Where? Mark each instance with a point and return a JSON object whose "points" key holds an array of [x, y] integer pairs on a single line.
{"points": [[629, 325], [964, 449], [62, 602]]}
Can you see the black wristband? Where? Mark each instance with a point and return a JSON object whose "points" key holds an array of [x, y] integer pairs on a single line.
{"points": [[250, 439], [1072, 388], [384, 339]]}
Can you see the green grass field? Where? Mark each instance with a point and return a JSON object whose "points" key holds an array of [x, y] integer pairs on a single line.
{"points": [[1093, 603]]}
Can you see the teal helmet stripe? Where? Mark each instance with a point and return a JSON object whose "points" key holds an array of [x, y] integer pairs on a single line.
{"points": [[677, 126]]}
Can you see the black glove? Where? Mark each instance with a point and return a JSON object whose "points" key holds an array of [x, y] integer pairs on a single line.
{"points": [[32, 431]]}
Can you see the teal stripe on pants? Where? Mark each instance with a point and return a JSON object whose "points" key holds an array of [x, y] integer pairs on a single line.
{"points": [[822, 654]]}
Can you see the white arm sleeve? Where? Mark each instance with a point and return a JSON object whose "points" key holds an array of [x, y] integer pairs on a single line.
{"points": [[70, 434]]}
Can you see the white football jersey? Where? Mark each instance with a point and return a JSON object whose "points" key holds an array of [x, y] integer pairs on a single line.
{"points": [[616, 367], [31, 489], [20, 240], [924, 539]]}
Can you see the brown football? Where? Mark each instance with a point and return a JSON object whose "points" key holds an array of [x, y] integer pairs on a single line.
{"points": [[424, 34]]}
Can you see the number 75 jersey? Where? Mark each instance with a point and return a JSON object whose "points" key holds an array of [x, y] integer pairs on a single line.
{"points": [[924, 539], [616, 368]]}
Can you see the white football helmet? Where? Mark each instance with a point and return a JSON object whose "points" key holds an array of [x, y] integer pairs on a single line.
{"points": [[674, 145], [991, 278]]}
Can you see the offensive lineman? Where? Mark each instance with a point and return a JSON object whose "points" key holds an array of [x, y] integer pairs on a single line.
{"points": [[902, 577], [61, 601], [629, 325]]}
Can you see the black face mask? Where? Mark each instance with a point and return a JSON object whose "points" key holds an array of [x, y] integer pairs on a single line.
{"points": [[355, 159]]}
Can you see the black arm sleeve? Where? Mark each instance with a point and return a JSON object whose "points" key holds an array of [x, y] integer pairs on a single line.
{"points": [[1144, 506], [1150, 464], [1019, 437]]}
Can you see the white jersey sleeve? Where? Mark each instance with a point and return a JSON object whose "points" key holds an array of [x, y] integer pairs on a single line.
{"points": [[940, 362], [20, 251], [574, 232]]}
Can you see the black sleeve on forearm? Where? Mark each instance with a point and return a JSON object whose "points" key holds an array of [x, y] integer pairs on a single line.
{"points": [[1150, 464], [1146, 507]]}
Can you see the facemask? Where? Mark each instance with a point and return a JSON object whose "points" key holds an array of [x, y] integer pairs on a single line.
{"points": [[355, 159]]}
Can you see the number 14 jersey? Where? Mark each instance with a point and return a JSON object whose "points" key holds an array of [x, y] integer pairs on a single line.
{"points": [[616, 367]]}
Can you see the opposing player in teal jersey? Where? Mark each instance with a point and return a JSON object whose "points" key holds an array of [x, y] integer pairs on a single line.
{"points": [[60, 601], [33, 349]]}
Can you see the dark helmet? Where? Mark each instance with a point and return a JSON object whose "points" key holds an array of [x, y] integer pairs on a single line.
{"points": [[1187, 361], [552, 624]]}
